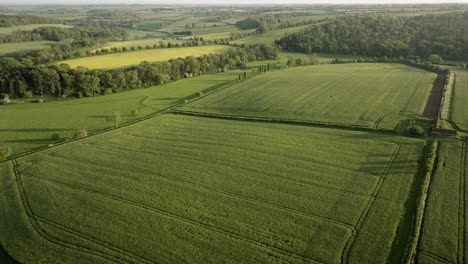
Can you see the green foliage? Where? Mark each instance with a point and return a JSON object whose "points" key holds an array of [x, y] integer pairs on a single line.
{"points": [[5, 153], [301, 184], [435, 59], [391, 36], [416, 131], [114, 118], [135, 112], [333, 94], [80, 133], [55, 136]]}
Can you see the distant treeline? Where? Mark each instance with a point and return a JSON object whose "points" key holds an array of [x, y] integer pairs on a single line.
{"points": [[391, 36], [18, 79], [270, 22], [74, 34], [19, 20]]}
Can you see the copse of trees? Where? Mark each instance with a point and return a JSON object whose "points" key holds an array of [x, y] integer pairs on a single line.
{"points": [[19, 80], [389, 36]]}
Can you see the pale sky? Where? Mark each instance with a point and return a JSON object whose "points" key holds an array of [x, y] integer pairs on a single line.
{"points": [[228, 2]]}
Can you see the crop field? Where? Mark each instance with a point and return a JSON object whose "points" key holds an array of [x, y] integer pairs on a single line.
{"points": [[8, 30], [136, 57], [223, 35], [142, 42], [176, 189], [27, 126], [459, 115], [369, 95], [270, 36], [139, 34], [444, 232], [24, 47]]}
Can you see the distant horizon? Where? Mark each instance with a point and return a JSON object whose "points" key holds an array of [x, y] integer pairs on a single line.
{"points": [[230, 2]]}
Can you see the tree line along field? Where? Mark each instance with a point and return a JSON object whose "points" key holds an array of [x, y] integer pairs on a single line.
{"points": [[190, 189], [139, 43], [444, 232], [369, 95], [136, 57], [28, 126], [458, 112], [8, 30]]}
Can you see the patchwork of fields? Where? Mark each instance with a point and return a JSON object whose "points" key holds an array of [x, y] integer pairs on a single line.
{"points": [[269, 37], [444, 233], [136, 57], [368, 95], [459, 114], [210, 190], [28, 126]]}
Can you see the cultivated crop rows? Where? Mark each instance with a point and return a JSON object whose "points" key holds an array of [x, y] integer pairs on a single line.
{"points": [[177, 188], [369, 95], [460, 100], [443, 238]]}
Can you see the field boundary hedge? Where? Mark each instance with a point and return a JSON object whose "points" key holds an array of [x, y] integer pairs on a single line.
{"points": [[447, 97], [429, 167], [285, 121]]}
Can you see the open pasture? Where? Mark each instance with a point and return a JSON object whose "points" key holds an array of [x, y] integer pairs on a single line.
{"points": [[367, 94], [24, 47], [141, 42], [8, 30], [178, 189], [136, 57], [444, 231], [27, 126], [269, 37], [459, 114]]}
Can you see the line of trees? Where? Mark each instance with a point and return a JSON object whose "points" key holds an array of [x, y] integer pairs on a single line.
{"points": [[391, 36], [20, 80], [19, 20]]}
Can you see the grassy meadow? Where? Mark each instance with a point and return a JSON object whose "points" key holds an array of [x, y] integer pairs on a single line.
{"points": [[24, 47], [369, 95], [444, 230], [187, 189], [459, 115], [8, 30], [136, 57], [28, 126], [269, 37]]}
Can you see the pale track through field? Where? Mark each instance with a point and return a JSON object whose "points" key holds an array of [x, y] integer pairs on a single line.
{"points": [[50, 238], [241, 197], [185, 220], [350, 243]]}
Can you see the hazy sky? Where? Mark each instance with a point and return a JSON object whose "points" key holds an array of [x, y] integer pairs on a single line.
{"points": [[229, 1]]}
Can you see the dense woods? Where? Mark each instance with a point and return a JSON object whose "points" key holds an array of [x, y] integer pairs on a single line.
{"points": [[391, 36], [18, 79]]}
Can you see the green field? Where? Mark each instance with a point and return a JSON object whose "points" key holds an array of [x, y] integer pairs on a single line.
{"points": [[8, 30], [269, 37], [370, 95], [459, 115], [28, 126], [177, 189], [24, 47], [136, 57], [444, 232], [142, 42]]}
